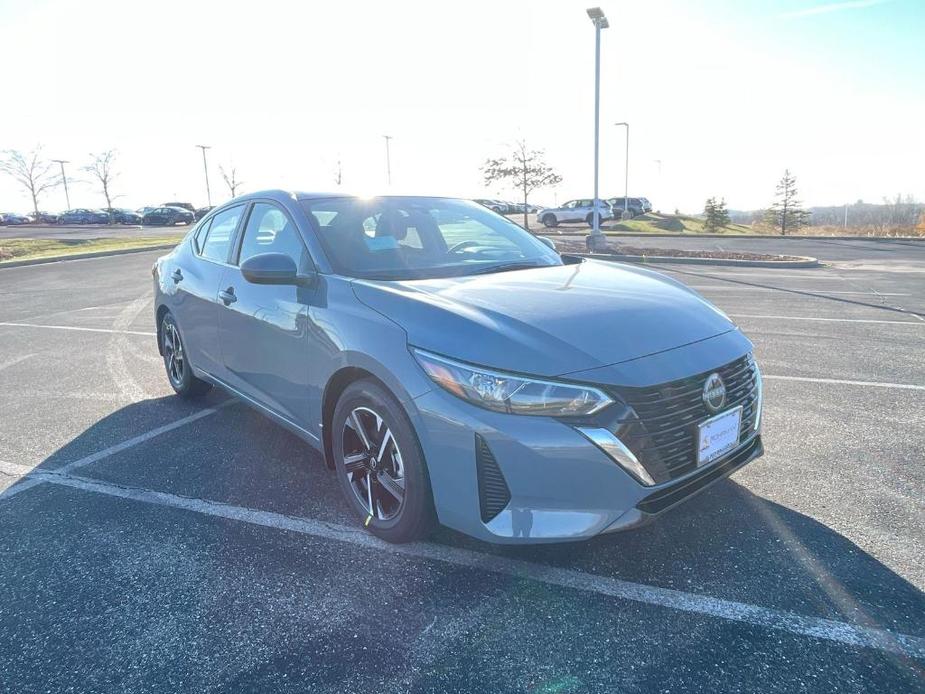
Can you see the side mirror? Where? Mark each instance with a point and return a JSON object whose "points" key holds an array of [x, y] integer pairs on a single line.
{"points": [[549, 242], [273, 268]]}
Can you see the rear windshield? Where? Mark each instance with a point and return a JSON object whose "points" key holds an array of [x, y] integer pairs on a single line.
{"points": [[412, 238]]}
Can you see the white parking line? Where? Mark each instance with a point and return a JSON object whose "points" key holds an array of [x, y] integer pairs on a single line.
{"points": [[808, 290], [791, 622], [15, 360], [79, 329], [141, 438], [828, 320], [840, 381]]}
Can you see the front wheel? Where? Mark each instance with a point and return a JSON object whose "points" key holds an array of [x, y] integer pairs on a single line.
{"points": [[380, 465], [179, 371], [550, 221]]}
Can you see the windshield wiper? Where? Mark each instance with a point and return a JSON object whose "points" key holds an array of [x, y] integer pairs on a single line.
{"points": [[504, 267]]}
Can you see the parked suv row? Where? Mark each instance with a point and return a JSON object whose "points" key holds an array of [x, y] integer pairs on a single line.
{"points": [[581, 210]]}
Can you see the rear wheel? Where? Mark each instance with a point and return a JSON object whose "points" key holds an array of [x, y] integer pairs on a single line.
{"points": [[380, 465], [550, 221], [179, 371]]}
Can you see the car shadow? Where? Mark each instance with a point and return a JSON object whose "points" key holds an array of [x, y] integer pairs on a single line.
{"points": [[727, 542]]}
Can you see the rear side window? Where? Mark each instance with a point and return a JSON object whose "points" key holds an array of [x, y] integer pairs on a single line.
{"points": [[218, 238], [270, 231]]}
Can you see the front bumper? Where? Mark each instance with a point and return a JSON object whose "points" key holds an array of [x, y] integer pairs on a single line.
{"points": [[561, 486]]}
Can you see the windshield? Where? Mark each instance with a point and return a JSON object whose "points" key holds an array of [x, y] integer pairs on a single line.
{"points": [[414, 238]]}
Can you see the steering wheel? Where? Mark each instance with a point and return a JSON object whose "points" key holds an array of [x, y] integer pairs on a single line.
{"points": [[462, 244]]}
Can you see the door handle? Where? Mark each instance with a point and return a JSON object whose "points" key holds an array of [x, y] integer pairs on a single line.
{"points": [[176, 276], [227, 296]]}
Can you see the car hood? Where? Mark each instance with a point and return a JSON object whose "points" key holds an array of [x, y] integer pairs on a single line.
{"points": [[547, 321]]}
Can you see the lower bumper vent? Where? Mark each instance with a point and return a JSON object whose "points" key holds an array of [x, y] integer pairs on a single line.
{"points": [[494, 494]]}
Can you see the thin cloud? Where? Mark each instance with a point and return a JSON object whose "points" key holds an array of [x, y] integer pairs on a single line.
{"points": [[832, 7]]}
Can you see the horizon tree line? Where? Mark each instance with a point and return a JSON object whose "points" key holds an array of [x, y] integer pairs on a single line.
{"points": [[38, 175]]}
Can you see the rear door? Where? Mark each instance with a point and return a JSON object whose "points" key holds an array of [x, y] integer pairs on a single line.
{"points": [[196, 276], [267, 345]]}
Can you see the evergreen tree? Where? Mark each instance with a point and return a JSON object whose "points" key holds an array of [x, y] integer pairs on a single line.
{"points": [[709, 215], [786, 213], [722, 214]]}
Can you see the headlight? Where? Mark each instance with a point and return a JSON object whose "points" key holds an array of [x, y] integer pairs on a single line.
{"points": [[505, 392]]}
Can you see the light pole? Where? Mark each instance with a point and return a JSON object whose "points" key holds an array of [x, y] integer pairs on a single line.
{"points": [[388, 159], [205, 168], [626, 173], [67, 197], [596, 241]]}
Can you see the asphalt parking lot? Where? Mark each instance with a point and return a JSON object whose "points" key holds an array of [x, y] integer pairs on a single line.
{"points": [[153, 544]]}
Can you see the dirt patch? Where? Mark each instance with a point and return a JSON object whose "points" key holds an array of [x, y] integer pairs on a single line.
{"points": [[578, 246]]}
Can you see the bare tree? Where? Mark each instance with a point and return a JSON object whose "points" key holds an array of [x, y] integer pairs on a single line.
{"points": [[102, 168], [785, 212], [524, 169], [231, 179], [30, 171]]}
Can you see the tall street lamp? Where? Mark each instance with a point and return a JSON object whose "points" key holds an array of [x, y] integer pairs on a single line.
{"points": [[205, 168], [67, 197], [388, 159], [626, 173], [596, 241]]}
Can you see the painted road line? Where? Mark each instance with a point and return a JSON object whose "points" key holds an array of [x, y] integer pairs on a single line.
{"points": [[80, 329], [828, 320], [141, 438], [845, 382], [15, 360], [790, 622], [822, 292]]}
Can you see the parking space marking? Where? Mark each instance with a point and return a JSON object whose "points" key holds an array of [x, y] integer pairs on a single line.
{"points": [[791, 622], [80, 329], [840, 381], [141, 438], [824, 292], [829, 320], [15, 360]]}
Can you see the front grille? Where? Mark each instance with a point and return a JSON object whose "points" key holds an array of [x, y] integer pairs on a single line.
{"points": [[494, 494], [665, 437]]}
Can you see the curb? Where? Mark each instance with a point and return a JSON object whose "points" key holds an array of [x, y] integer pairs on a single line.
{"points": [[84, 256], [804, 262], [757, 237]]}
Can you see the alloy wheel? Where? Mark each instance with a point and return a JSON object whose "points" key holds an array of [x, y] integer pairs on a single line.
{"points": [[373, 464], [173, 354]]}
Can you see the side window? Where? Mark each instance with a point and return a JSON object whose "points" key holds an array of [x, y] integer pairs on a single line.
{"points": [[270, 231], [218, 237], [199, 236]]}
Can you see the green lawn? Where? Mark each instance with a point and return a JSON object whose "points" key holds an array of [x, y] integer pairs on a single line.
{"points": [[26, 249], [654, 222]]}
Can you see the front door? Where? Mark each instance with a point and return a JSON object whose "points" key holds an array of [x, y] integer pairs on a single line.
{"points": [[264, 328]]}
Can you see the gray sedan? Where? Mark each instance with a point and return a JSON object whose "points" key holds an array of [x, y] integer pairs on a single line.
{"points": [[454, 369]]}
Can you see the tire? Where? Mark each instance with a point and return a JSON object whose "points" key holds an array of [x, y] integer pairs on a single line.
{"points": [[550, 221], [179, 372], [589, 220], [369, 406]]}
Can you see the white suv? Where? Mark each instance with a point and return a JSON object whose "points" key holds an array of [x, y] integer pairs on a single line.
{"points": [[574, 211]]}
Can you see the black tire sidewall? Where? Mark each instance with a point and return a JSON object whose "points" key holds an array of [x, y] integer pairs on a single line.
{"points": [[416, 517], [549, 221], [190, 386]]}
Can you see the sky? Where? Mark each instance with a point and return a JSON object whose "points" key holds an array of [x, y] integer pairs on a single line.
{"points": [[721, 96]]}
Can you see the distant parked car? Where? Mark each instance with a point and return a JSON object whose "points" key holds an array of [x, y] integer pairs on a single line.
{"points": [[183, 205], [82, 215], [11, 218], [573, 211], [203, 211], [633, 206], [492, 205], [168, 217], [121, 215], [45, 218]]}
